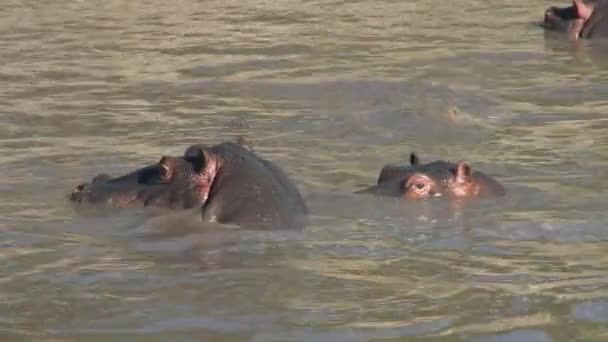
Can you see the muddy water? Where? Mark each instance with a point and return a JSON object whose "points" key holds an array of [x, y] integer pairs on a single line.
{"points": [[331, 91]]}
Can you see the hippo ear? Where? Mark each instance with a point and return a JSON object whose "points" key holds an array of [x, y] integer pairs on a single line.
{"points": [[197, 155], [463, 172], [414, 160]]}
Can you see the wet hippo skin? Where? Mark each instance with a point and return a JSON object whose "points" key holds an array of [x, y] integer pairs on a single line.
{"points": [[582, 19], [229, 182], [435, 179]]}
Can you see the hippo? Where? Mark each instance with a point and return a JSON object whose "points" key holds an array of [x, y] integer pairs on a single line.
{"points": [[582, 19], [435, 179], [229, 182]]}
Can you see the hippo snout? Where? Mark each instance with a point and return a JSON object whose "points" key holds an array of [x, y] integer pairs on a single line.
{"points": [[81, 189], [104, 177]]}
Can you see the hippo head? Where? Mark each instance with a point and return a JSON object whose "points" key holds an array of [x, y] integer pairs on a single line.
{"points": [[435, 179], [227, 181], [571, 19], [173, 182]]}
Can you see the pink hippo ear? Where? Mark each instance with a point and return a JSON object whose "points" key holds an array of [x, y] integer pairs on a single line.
{"points": [[463, 172], [583, 10]]}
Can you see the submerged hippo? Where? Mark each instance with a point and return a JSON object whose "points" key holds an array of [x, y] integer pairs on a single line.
{"points": [[438, 178], [583, 19], [228, 181]]}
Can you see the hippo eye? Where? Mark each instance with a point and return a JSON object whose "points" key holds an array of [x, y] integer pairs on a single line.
{"points": [[420, 186]]}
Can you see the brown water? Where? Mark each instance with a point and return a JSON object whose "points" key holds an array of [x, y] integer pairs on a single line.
{"points": [[331, 91]]}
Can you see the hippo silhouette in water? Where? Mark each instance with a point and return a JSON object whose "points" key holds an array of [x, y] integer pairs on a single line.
{"points": [[582, 19], [228, 181], [435, 179]]}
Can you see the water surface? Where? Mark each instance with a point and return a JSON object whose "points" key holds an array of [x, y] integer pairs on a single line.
{"points": [[331, 91]]}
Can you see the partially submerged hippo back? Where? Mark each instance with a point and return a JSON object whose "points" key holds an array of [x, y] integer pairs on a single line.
{"points": [[435, 179], [583, 19], [228, 181]]}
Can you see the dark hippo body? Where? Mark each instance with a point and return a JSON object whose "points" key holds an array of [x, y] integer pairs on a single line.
{"points": [[583, 19], [228, 181], [435, 179]]}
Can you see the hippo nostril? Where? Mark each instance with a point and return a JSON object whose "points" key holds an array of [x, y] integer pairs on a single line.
{"points": [[76, 194]]}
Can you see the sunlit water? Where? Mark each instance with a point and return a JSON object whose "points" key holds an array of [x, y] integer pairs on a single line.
{"points": [[331, 91]]}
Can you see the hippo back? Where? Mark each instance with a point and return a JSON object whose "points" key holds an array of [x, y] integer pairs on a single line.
{"points": [[251, 191]]}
